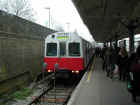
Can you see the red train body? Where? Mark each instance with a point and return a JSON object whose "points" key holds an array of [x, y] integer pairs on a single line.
{"points": [[73, 64]]}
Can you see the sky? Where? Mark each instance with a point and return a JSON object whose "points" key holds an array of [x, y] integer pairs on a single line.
{"points": [[62, 12]]}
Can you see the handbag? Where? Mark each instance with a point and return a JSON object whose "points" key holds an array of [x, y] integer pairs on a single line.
{"points": [[116, 70]]}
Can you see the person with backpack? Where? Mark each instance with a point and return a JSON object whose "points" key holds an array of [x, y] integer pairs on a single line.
{"points": [[134, 74]]}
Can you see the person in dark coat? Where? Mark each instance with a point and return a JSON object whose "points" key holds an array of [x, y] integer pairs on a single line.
{"points": [[135, 61], [122, 59], [134, 74]]}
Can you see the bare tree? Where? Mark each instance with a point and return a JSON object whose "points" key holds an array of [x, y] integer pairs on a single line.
{"points": [[21, 8]]}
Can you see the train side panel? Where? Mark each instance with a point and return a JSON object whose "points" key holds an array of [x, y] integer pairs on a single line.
{"points": [[87, 52]]}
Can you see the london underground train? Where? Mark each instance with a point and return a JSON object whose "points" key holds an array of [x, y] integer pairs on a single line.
{"points": [[69, 51]]}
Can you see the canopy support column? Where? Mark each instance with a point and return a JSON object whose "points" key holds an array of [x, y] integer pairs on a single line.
{"points": [[116, 40]]}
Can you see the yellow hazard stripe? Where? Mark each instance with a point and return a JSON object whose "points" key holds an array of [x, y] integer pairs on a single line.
{"points": [[91, 71]]}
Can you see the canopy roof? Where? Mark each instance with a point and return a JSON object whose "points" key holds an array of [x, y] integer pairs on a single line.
{"points": [[103, 17]]}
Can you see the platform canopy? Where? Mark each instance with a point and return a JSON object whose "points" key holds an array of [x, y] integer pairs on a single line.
{"points": [[103, 17]]}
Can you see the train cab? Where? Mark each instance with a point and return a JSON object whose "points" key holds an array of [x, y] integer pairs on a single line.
{"points": [[66, 51]]}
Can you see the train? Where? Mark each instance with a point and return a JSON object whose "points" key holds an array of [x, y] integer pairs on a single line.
{"points": [[67, 53]]}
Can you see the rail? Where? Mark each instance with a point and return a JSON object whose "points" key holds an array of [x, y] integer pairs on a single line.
{"points": [[54, 94], [37, 99]]}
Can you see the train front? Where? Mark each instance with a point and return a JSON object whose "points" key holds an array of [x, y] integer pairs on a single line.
{"points": [[63, 53]]}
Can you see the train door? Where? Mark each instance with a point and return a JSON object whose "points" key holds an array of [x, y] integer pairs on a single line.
{"points": [[62, 55], [62, 49]]}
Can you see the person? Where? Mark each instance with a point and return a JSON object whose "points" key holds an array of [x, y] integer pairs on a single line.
{"points": [[107, 61], [134, 74], [122, 61], [135, 61], [113, 59], [103, 56], [96, 51]]}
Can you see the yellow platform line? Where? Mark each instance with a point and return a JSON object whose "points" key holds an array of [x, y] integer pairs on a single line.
{"points": [[91, 71]]}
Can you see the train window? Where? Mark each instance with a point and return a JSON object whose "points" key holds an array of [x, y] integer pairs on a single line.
{"points": [[74, 49], [62, 49], [51, 49]]}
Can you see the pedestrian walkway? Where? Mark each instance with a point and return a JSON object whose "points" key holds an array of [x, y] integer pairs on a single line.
{"points": [[97, 89]]}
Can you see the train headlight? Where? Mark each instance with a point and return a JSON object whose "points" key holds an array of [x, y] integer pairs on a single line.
{"points": [[77, 72], [49, 71], [72, 71]]}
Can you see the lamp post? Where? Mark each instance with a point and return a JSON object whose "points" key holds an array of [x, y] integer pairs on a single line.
{"points": [[68, 26], [48, 8]]}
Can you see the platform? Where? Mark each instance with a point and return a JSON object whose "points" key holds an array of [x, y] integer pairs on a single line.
{"points": [[97, 89]]}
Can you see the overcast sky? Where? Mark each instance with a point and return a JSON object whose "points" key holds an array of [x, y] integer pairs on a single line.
{"points": [[62, 11]]}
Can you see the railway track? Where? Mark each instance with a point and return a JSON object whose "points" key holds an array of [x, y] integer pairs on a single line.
{"points": [[48, 91], [58, 94]]}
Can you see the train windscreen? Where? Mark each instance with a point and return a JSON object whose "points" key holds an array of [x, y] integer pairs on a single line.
{"points": [[62, 49], [51, 49], [74, 49]]}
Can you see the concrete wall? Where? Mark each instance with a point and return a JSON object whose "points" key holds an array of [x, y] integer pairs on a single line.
{"points": [[14, 24], [21, 48], [18, 55]]}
